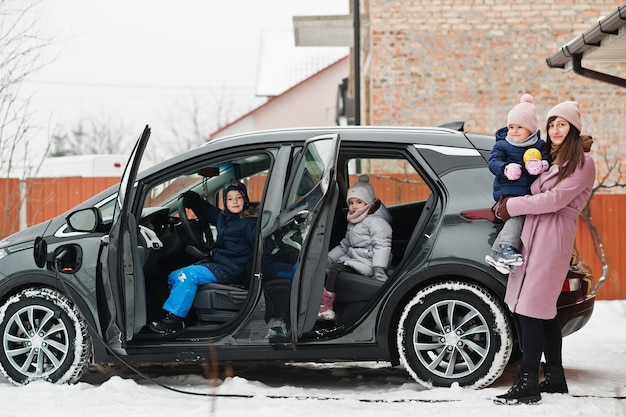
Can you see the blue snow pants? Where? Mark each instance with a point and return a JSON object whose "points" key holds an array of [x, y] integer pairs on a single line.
{"points": [[184, 283]]}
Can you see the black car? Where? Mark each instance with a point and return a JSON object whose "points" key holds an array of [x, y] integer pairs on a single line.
{"points": [[81, 288]]}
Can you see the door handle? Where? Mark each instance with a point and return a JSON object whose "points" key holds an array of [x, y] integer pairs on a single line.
{"points": [[301, 216]]}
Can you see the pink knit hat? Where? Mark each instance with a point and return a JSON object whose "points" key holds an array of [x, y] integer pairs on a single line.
{"points": [[524, 114], [569, 111]]}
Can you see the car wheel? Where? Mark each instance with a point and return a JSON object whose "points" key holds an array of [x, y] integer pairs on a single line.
{"points": [[43, 337], [454, 332]]}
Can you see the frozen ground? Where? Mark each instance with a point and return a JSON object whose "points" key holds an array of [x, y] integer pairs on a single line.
{"points": [[594, 360]]}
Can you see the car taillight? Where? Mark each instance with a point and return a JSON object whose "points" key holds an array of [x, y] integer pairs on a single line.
{"points": [[481, 214], [571, 284]]}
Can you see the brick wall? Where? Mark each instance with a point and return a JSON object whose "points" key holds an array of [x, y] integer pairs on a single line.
{"points": [[430, 62]]}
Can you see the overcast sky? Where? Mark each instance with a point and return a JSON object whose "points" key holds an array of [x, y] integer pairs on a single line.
{"points": [[137, 61]]}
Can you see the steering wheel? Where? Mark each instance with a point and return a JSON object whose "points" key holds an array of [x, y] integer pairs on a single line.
{"points": [[196, 232]]}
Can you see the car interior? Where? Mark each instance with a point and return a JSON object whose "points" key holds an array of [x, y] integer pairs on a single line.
{"points": [[396, 182]]}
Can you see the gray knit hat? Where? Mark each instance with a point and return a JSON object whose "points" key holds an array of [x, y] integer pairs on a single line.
{"points": [[362, 190]]}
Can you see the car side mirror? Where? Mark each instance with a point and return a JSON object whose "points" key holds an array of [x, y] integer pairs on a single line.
{"points": [[84, 220]]}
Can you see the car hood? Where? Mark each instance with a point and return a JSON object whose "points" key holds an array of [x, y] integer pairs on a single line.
{"points": [[26, 235]]}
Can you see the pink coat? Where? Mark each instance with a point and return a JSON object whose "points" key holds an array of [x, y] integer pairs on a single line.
{"points": [[547, 239]]}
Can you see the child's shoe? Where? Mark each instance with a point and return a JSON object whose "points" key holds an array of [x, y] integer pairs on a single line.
{"points": [[510, 256], [493, 260], [276, 327], [169, 325]]}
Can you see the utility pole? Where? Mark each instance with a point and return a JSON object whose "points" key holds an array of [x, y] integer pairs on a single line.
{"points": [[356, 52]]}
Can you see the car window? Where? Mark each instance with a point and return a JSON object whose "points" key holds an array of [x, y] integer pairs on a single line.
{"points": [[208, 179], [310, 170], [395, 180], [166, 192], [106, 208]]}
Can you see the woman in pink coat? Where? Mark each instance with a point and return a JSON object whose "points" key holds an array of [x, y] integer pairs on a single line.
{"points": [[557, 198]]}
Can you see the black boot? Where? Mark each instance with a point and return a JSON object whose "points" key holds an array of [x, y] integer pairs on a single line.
{"points": [[525, 390], [554, 382], [169, 325]]}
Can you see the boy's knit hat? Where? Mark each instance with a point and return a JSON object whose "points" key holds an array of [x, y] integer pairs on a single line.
{"points": [[239, 186], [362, 190], [569, 111], [524, 113]]}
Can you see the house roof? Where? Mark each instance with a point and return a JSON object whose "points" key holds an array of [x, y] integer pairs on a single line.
{"points": [[219, 131], [604, 42]]}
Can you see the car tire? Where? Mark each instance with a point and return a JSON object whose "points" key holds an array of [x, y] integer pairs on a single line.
{"points": [[43, 337], [454, 333]]}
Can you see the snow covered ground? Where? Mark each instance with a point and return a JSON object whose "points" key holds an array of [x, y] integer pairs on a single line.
{"points": [[594, 360]]}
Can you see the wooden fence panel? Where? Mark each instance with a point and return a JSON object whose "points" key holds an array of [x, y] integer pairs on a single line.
{"points": [[607, 213], [49, 197], [10, 198]]}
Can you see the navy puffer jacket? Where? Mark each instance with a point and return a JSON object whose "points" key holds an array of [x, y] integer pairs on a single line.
{"points": [[504, 153], [236, 234]]}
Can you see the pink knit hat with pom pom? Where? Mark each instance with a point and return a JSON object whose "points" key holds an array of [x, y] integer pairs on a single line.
{"points": [[524, 114]]}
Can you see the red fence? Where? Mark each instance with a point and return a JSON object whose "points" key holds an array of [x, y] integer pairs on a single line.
{"points": [[49, 197], [607, 213]]}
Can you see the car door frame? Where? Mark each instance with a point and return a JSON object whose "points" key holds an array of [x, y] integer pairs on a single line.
{"points": [[121, 263], [309, 276]]}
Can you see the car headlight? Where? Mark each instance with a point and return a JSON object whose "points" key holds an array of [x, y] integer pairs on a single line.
{"points": [[7, 250]]}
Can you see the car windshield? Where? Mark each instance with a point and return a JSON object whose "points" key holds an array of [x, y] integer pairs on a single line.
{"points": [[165, 193]]}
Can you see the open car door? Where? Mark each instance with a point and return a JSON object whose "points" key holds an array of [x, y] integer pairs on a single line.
{"points": [[121, 263], [300, 240]]}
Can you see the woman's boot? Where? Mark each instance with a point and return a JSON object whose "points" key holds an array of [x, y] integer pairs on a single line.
{"points": [[525, 390], [554, 382]]}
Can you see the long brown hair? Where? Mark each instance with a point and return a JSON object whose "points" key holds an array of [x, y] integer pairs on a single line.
{"points": [[569, 154]]}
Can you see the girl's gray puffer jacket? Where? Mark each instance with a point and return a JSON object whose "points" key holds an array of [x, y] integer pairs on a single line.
{"points": [[367, 244]]}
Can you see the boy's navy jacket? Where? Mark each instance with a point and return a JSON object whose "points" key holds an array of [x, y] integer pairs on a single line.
{"points": [[236, 234], [504, 153]]}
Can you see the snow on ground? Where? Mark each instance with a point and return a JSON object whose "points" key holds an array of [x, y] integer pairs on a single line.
{"points": [[593, 359]]}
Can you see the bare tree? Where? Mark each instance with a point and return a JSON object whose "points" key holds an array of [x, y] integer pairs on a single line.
{"points": [[201, 117], [91, 137], [20, 48], [192, 129]]}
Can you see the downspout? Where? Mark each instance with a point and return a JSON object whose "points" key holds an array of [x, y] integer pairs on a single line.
{"points": [[595, 75]]}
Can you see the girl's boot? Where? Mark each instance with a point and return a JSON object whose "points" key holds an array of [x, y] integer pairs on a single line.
{"points": [[326, 311]]}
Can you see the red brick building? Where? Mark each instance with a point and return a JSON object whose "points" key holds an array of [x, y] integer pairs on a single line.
{"points": [[426, 62]]}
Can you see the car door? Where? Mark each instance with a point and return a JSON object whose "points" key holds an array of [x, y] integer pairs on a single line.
{"points": [[299, 244], [121, 260]]}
